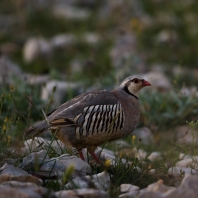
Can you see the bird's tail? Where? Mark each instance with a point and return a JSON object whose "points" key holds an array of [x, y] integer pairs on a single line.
{"points": [[36, 129]]}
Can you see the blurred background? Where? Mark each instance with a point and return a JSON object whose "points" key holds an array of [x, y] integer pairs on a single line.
{"points": [[52, 50], [100, 40]]}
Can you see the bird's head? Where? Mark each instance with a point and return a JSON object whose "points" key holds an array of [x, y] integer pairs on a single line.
{"points": [[133, 84]]}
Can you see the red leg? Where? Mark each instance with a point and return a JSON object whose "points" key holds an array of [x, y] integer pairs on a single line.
{"points": [[95, 157], [81, 154]]}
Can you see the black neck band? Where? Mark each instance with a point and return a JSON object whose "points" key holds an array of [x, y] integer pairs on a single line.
{"points": [[127, 91]]}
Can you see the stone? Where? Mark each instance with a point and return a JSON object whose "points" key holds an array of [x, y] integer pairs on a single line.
{"points": [[185, 134], [145, 194], [39, 143], [91, 38], [101, 181], [77, 66], [159, 187], [35, 48], [144, 134], [158, 81], [140, 154], [36, 144], [166, 36], [62, 89], [8, 70], [183, 156], [70, 12], [79, 165], [104, 154], [16, 189], [11, 173], [21, 178], [189, 162], [17, 184], [128, 190], [122, 144], [42, 166], [152, 171], [58, 147], [36, 79], [154, 156], [7, 169], [182, 170], [188, 188], [85, 192], [156, 190], [15, 193], [63, 41], [189, 91], [51, 169], [125, 56], [35, 160]]}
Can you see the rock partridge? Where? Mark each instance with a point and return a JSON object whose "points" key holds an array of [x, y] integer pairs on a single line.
{"points": [[96, 117]]}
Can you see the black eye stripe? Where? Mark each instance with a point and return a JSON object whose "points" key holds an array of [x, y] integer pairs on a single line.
{"points": [[135, 80]]}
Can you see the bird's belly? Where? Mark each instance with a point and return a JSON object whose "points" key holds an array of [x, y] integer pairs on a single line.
{"points": [[98, 139]]}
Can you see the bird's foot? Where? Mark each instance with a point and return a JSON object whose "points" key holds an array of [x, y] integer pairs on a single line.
{"points": [[96, 158]]}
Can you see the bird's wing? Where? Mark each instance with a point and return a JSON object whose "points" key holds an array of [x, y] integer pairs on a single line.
{"points": [[74, 112]]}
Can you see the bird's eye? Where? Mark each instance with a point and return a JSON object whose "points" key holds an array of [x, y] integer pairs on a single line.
{"points": [[136, 80]]}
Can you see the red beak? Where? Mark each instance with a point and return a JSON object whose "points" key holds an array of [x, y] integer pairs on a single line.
{"points": [[146, 83]]}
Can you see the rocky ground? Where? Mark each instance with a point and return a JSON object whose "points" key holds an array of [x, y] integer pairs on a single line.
{"points": [[51, 51]]}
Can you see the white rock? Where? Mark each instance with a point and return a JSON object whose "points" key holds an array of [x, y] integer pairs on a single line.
{"points": [[145, 134], [51, 168], [36, 79], [35, 159], [59, 147], [152, 171], [157, 190], [36, 144], [77, 163], [63, 41], [105, 154], [8, 69], [188, 188], [183, 156], [17, 189], [70, 12], [159, 187], [85, 192], [140, 154], [181, 170], [158, 81], [189, 162], [128, 187], [189, 91], [61, 89], [154, 156], [7, 169], [91, 38], [128, 190], [17, 184], [101, 181], [36, 47], [166, 36], [186, 135], [122, 144]]}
